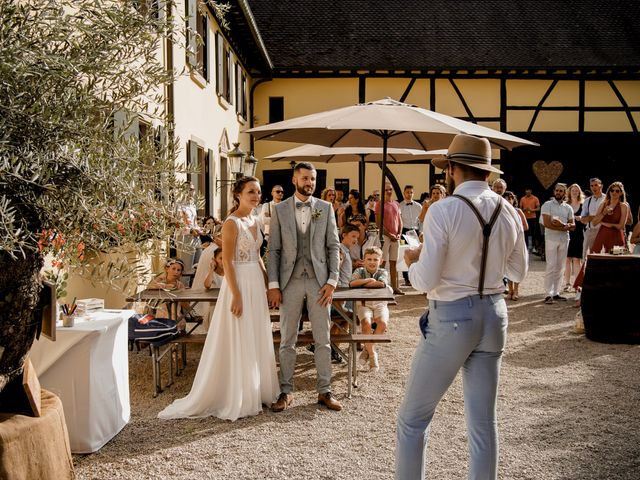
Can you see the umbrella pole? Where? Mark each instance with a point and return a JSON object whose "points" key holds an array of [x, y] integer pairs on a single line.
{"points": [[385, 139], [361, 174]]}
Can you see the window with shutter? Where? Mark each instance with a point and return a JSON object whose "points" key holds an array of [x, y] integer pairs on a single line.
{"points": [[198, 158], [197, 51], [219, 64]]}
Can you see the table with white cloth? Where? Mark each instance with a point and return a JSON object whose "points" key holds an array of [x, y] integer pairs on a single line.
{"points": [[88, 368]]}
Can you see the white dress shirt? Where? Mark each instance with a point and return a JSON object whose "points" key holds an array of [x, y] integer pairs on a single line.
{"points": [[592, 204], [563, 211], [303, 215], [409, 211], [265, 216], [449, 264]]}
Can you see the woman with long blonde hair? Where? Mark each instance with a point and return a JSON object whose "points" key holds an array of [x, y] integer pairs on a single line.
{"points": [[573, 262], [329, 195]]}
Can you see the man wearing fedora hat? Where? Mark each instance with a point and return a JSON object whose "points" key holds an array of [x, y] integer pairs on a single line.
{"points": [[468, 249]]}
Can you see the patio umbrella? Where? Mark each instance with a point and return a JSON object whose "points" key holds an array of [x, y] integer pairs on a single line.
{"points": [[353, 154], [392, 123]]}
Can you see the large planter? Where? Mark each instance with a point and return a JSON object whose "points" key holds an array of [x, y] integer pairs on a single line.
{"points": [[19, 321], [610, 298]]}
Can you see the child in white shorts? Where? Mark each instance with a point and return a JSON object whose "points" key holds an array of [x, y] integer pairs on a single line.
{"points": [[371, 276]]}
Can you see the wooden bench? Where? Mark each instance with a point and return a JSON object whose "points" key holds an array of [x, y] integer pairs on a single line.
{"points": [[177, 360], [306, 338], [353, 340]]}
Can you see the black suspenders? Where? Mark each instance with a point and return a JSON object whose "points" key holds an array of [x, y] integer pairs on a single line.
{"points": [[486, 231]]}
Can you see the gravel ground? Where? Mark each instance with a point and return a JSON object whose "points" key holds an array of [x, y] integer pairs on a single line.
{"points": [[568, 409]]}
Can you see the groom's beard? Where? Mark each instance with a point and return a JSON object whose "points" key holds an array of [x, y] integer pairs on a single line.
{"points": [[305, 191], [451, 185]]}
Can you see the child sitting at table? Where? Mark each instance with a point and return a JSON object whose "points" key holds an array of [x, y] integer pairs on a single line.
{"points": [[216, 271], [371, 276], [152, 322], [169, 281]]}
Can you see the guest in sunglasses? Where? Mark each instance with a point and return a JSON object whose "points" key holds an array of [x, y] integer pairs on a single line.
{"points": [[277, 194], [612, 218]]}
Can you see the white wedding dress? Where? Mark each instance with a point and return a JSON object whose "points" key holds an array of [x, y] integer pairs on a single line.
{"points": [[237, 371]]}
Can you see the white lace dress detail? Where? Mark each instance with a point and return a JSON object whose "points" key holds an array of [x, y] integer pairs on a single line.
{"points": [[247, 246]]}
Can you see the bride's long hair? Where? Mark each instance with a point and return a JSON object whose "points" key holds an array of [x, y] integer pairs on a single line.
{"points": [[238, 187]]}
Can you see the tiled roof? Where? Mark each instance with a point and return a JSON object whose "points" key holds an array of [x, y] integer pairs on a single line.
{"points": [[449, 34]]}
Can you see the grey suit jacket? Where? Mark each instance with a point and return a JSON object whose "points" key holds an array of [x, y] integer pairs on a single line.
{"points": [[283, 242]]}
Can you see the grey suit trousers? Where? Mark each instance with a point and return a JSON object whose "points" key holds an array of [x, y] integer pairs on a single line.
{"points": [[293, 297]]}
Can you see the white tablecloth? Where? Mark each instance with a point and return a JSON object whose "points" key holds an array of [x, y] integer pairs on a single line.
{"points": [[87, 367]]}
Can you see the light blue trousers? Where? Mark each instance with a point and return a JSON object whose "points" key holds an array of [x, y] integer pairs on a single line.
{"points": [[469, 333]]}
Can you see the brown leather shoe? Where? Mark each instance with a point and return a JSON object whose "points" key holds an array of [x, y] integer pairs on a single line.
{"points": [[328, 400], [284, 401]]}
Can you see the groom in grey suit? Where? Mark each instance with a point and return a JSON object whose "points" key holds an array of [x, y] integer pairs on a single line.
{"points": [[303, 264]]}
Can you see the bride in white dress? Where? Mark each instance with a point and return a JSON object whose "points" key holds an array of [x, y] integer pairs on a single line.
{"points": [[237, 371]]}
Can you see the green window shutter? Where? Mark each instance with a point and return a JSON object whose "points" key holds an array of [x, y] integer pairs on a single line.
{"points": [[206, 64], [220, 58], [192, 44], [162, 11], [192, 162], [211, 182], [229, 77], [126, 125]]}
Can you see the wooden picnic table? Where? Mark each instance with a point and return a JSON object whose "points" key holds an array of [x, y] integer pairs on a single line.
{"points": [[194, 296], [344, 294], [173, 298]]}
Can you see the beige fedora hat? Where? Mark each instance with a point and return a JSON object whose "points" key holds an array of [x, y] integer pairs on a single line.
{"points": [[468, 150]]}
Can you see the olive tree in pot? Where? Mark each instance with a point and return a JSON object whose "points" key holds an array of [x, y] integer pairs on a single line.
{"points": [[75, 76]]}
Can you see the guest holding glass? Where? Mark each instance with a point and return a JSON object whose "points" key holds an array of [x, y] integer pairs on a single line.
{"points": [[612, 218]]}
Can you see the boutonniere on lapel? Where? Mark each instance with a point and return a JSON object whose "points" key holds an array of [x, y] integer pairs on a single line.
{"points": [[316, 213]]}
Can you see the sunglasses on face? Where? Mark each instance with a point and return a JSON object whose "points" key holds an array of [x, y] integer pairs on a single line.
{"points": [[279, 191], [616, 190]]}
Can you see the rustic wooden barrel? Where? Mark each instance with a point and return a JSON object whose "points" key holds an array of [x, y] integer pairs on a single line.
{"points": [[610, 298]]}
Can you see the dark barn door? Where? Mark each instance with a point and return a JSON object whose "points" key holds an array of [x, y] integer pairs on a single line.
{"points": [[610, 156]]}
